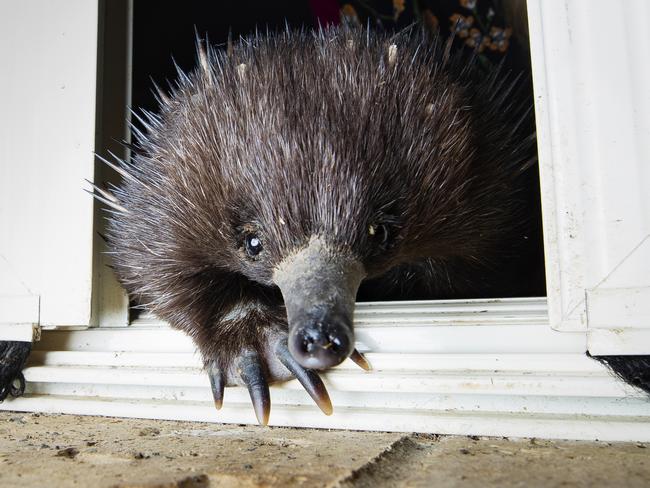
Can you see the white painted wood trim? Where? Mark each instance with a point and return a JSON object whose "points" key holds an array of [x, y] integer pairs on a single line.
{"points": [[517, 325], [111, 303], [520, 311], [552, 426], [487, 367], [19, 332], [593, 121], [48, 55], [558, 151], [19, 309], [618, 341], [443, 339], [619, 308], [456, 394], [619, 321], [461, 380]]}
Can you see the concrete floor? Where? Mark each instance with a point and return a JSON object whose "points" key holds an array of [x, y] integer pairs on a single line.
{"points": [[67, 450]]}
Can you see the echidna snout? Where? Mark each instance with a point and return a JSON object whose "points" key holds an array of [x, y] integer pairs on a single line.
{"points": [[319, 284]]}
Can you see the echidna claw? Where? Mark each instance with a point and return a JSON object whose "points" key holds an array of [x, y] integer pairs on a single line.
{"points": [[360, 360], [217, 384], [256, 370], [308, 378], [252, 374]]}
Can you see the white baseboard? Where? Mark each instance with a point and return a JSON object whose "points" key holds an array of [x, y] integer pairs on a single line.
{"points": [[504, 372]]}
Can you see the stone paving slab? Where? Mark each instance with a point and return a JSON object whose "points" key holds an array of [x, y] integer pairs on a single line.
{"points": [[455, 461], [68, 450]]}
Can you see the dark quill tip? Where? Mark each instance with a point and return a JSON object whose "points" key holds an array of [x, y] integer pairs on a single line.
{"points": [[251, 372], [309, 379]]}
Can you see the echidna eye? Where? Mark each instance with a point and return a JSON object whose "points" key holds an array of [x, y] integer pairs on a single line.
{"points": [[378, 233], [253, 245]]}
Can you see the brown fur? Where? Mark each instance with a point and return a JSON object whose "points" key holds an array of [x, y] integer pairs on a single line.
{"points": [[325, 134]]}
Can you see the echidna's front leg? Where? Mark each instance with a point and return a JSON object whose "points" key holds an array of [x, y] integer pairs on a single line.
{"points": [[249, 348], [252, 372]]}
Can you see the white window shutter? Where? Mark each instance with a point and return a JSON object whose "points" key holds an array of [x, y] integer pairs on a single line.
{"points": [[48, 54], [593, 117]]}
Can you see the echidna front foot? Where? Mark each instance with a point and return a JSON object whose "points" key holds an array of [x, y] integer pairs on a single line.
{"points": [[256, 368]]}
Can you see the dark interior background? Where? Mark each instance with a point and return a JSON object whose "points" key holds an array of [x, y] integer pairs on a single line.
{"points": [[164, 31]]}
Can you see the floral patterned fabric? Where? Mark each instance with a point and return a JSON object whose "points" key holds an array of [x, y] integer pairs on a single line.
{"points": [[475, 24]]}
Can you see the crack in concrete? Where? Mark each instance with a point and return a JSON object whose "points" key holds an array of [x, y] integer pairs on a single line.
{"points": [[370, 472]]}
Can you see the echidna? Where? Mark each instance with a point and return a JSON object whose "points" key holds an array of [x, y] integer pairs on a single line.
{"points": [[287, 176]]}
